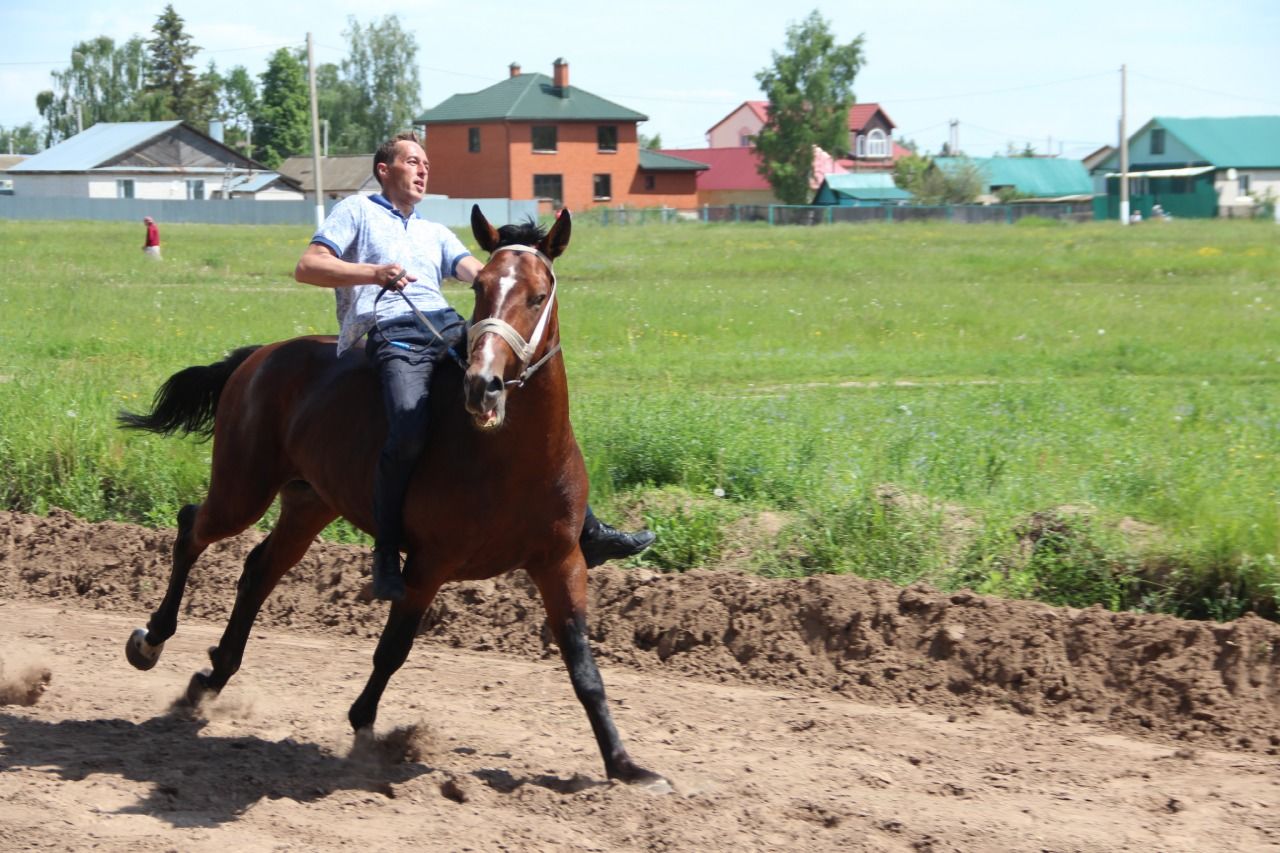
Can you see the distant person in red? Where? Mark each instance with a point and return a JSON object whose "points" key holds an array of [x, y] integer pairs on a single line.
{"points": [[152, 246]]}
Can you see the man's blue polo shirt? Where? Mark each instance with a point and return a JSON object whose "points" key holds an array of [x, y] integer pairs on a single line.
{"points": [[370, 230]]}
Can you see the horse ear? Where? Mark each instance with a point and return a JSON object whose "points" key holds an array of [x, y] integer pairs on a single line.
{"points": [[485, 233], [557, 239]]}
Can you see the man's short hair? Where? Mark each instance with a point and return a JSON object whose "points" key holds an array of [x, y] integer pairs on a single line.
{"points": [[387, 151]]}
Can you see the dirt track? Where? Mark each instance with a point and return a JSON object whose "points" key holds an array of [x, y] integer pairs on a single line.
{"points": [[825, 714]]}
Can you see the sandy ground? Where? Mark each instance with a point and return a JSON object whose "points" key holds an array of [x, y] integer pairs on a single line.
{"points": [[821, 714]]}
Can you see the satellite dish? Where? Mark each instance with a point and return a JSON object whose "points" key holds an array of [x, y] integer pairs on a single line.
{"points": [[1231, 174]]}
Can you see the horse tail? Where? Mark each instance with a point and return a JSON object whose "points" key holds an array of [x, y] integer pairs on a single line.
{"points": [[188, 400]]}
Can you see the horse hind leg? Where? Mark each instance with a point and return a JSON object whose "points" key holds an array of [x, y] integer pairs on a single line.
{"points": [[145, 644], [302, 516]]}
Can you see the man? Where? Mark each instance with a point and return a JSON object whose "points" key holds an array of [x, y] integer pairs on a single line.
{"points": [[369, 244], [151, 245]]}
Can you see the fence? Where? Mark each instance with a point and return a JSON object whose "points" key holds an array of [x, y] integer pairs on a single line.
{"points": [[453, 212], [783, 214]]}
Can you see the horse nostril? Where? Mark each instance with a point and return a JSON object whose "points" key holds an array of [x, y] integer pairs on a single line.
{"points": [[494, 385]]}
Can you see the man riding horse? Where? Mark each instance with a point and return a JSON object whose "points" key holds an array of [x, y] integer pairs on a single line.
{"points": [[367, 247]]}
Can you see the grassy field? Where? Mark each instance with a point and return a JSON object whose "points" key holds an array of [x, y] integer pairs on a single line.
{"points": [[1075, 413]]}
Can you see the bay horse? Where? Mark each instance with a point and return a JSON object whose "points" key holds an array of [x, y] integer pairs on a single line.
{"points": [[501, 485]]}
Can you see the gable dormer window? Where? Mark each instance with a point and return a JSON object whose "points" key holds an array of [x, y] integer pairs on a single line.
{"points": [[861, 148], [877, 144], [1157, 140]]}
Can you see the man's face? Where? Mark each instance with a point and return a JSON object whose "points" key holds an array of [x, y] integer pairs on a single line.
{"points": [[404, 179]]}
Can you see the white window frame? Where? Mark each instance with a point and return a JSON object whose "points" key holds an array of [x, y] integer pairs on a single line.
{"points": [[195, 189], [877, 143], [124, 188]]}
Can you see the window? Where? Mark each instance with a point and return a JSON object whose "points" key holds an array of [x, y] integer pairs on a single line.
{"points": [[607, 137], [877, 144], [544, 137], [1242, 185], [602, 187], [473, 140], [1157, 140], [744, 139], [861, 149], [548, 186], [650, 182], [195, 190], [124, 188]]}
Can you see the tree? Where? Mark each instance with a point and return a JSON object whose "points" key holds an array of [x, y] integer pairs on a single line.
{"points": [[810, 90], [103, 83], [960, 182], [650, 143], [237, 105], [381, 71], [337, 103], [171, 78], [281, 125], [19, 139]]}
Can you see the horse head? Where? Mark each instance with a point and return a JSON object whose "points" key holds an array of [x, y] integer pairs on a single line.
{"points": [[513, 327]]}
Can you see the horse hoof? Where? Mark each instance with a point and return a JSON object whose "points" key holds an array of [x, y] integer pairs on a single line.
{"points": [[199, 688], [140, 653]]}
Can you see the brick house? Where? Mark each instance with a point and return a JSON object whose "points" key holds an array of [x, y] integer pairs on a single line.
{"points": [[537, 137]]}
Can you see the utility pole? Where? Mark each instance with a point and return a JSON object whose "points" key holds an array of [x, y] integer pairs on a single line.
{"points": [[1124, 149], [315, 131]]}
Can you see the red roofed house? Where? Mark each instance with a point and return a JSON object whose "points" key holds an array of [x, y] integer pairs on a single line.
{"points": [[537, 137], [734, 179]]}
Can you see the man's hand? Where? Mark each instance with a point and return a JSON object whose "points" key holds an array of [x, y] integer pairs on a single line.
{"points": [[394, 277]]}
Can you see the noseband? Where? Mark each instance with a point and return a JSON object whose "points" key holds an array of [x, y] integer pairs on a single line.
{"points": [[523, 349]]}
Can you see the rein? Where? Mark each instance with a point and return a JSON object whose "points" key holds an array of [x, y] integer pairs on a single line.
{"points": [[523, 349]]}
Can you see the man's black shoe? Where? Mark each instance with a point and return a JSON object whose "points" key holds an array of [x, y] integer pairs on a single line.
{"points": [[388, 583], [600, 543]]}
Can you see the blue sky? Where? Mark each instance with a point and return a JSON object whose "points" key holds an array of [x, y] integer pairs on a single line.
{"points": [[1019, 71]]}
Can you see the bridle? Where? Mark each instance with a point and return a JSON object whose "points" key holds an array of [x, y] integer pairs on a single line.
{"points": [[523, 349]]}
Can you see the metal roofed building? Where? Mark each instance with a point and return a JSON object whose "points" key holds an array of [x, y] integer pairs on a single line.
{"points": [[154, 160], [857, 189], [1237, 158], [1032, 178], [340, 176], [531, 136]]}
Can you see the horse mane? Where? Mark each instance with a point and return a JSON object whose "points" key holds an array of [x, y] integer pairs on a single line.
{"points": [[527, 233]]}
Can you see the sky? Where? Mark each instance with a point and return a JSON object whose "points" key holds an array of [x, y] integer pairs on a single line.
{"points": [[1009, 71]]}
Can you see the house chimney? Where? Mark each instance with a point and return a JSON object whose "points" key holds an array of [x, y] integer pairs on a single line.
{"points": [[560, 74], [515, 69]]}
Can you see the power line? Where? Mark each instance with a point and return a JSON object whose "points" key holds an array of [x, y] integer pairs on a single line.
{"points": [[1206, 91], [998, 91]]}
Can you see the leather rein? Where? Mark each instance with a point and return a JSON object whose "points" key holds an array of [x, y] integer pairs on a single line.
{"points": [[523, 349]]}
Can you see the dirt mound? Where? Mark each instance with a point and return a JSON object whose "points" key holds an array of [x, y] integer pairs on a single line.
{"points": [[1194, 681]]}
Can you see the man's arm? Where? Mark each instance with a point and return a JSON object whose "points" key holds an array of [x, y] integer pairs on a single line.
{"points": [[468, 268], [321, 267]]}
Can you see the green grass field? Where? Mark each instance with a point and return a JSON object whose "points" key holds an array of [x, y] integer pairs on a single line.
{"points": [[1077, 413]]}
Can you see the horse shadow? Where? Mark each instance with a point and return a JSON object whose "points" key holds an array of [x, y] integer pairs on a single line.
{"points": [[195, 780]]}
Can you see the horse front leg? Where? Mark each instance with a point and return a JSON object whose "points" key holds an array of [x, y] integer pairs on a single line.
{"points": [[393, 649], [564, 594], [302, 516], [145, 644]]}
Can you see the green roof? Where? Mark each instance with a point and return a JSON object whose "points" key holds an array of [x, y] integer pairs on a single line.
{"points": [[656, 161], [1242, 141], [1038, 177], [859, 186], [528, 97]]}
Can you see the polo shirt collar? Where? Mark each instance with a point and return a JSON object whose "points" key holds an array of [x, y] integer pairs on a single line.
{"points": [[380, 200]]}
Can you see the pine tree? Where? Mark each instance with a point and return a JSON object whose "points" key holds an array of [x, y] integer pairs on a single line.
{"points": [[281, 125], [172, 85]]}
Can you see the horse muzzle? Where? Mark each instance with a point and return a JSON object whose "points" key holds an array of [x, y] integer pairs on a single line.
{"points": [[486, 398]]}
